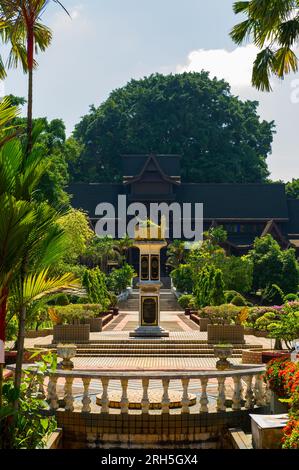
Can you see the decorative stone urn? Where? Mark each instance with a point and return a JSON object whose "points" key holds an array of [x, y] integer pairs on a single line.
{"points": [[223, 351], [66, 352]]}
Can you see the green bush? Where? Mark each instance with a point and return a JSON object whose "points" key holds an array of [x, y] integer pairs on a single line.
{"points": [[273, 295], [227, 313], [239, 301], [290, 298], [94, 281], [186, 301], [265, 320], [182, 278], [72, 314], [120, 279], [229, 295]]}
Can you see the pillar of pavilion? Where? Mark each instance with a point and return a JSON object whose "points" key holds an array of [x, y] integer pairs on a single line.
{"points": [[149, 239]]}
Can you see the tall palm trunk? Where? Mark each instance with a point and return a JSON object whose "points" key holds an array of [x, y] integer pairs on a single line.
{"points": [[20, 353], [3, 309], [30, 61]]}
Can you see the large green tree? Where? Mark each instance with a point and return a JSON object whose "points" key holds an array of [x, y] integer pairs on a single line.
{"points": [[220, 137], [292, 188], [273, 26]]}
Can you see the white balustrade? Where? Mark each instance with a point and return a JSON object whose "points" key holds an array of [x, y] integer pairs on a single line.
{"points": [[165, 397], [221, 394], [237, 396], [204, 401], [249, 397], [68, 394], [105, 398], [86, 408], [124, 402], [145, 403], [52, 396], [185, 397], [256, 393]]}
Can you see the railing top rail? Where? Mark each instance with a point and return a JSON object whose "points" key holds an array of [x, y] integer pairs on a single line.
{"points": [[154, 375]]}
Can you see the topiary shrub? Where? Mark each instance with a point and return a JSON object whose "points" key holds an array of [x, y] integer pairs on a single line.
{"points": [[264, 321], [229, 295], [182, 278], [273, 295], [239, 301], [290, 298]]}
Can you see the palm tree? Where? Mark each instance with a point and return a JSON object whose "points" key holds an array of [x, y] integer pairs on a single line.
{"points": [[273, 26], [20, 25]]}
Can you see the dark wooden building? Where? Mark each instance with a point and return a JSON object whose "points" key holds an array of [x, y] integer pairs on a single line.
{"points": [[246, 211]]}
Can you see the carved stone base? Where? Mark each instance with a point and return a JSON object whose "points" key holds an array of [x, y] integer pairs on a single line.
{"points": [[149, 332]]}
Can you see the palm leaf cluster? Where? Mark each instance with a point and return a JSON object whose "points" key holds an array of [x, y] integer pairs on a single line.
{"points": [[273, 26]]}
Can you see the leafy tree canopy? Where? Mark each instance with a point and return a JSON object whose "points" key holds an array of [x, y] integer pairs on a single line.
{"points": [[292, 189], [220, 137]]}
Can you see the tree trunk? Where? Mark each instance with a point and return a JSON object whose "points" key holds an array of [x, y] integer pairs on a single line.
{"points": [[19, 364], [29, 112], [30, 62]]}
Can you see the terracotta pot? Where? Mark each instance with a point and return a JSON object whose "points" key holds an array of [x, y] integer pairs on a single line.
{"points": [[187, 311]]}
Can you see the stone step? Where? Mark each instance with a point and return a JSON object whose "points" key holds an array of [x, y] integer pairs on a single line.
{"points": [[158, 343], [124, 354]]}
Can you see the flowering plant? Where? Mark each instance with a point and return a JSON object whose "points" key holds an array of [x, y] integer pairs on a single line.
{"points": [[283, 378]]}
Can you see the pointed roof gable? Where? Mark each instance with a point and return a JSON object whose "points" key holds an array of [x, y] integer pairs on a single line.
{"points": [[151, 165]]}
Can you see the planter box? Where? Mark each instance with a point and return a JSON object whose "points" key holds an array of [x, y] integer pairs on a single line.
{"points": [[269, 355], [71, 333], [226, 333], [203, 324], [96, 324], [267, 430], [252, 356], [39, 333], [195, 318], [54, 441], [276, 406]]}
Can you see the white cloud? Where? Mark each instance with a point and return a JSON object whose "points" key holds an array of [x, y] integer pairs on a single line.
{"points": [[234, 66]]}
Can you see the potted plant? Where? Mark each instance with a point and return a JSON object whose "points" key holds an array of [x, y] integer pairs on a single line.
{"points": [[66, 352], [113, 303], [186, 302], [223, 352]]}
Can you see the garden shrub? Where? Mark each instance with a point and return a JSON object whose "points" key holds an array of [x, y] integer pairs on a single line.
{"points": [[290, 298], [120, 279], [265, 320], [227, 313], [239, 301], [94, 281], [72, 314], [186, 301], [229, 295], [209, 287], [273, 295], [182, 278]]}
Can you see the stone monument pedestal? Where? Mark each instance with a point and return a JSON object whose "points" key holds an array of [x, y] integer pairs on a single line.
{"points": [[149, 290]]}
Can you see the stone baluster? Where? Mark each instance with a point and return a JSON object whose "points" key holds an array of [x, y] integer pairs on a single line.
{"points": [[68, 394], [124, 402], [259, 391], [86, 408], [249, 396], [165, 397], [221, 394], [105, 398], [52, 396], [185, 397], [41, 390], [91, 441], [237, 396], [145, 403], [268, 394], [204, 401]]}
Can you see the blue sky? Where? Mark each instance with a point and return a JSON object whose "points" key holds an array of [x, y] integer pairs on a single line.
{"points": [[108, 42]]}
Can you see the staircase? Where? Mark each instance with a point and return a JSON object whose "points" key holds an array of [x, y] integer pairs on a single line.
{"points": [[153, 348], [168, 302]]}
